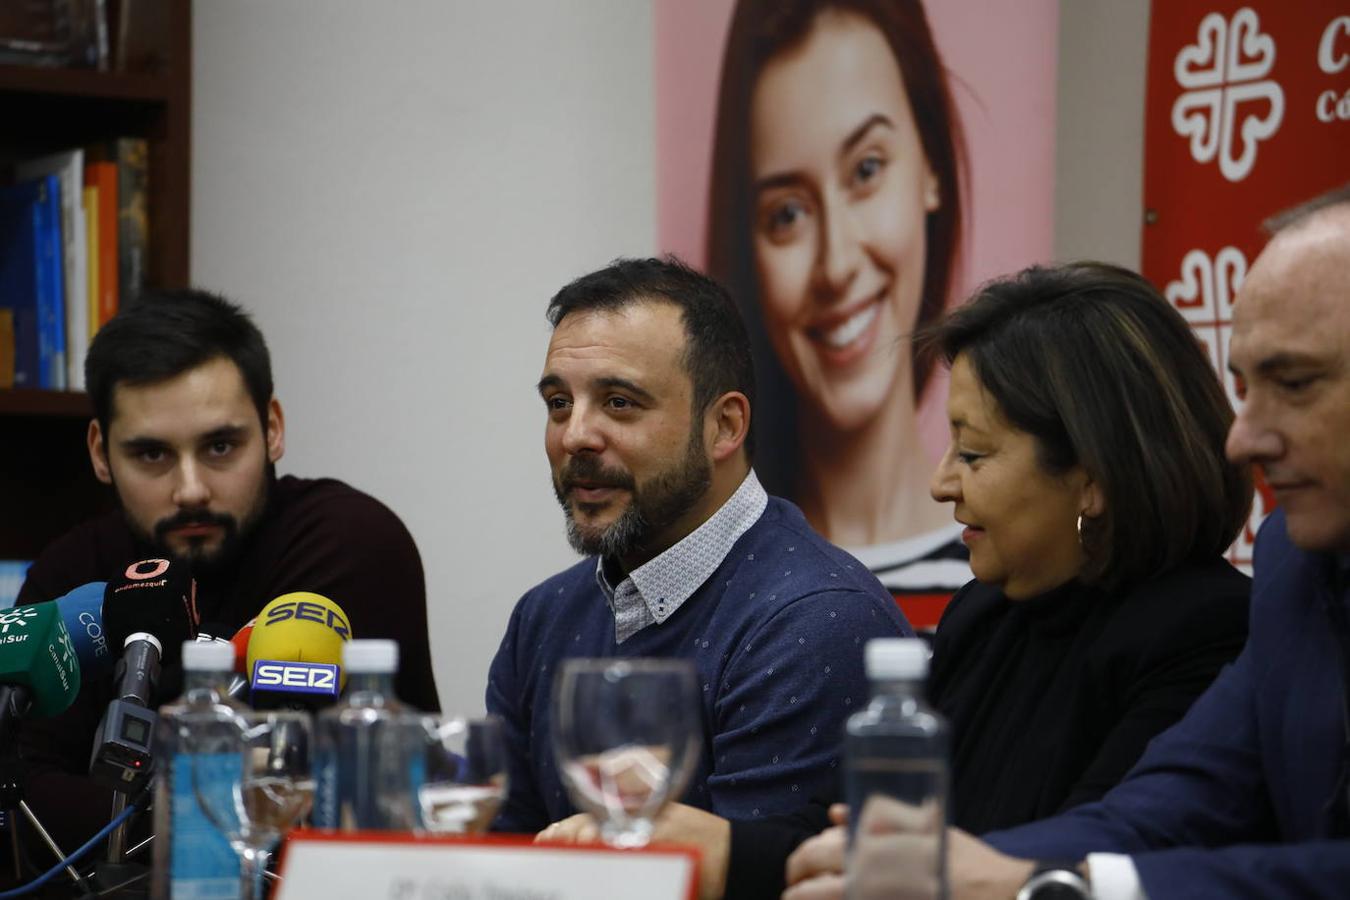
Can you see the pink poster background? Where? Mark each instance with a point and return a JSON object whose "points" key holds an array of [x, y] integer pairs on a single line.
{"points": [[1003, 60]]}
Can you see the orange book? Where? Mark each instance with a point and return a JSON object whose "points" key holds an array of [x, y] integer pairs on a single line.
{"points": [[103, 175]]}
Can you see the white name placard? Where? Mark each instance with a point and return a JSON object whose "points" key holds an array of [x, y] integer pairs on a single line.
{"points": [[392, 866]]}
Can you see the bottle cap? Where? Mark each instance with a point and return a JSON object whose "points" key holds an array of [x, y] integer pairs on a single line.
{"points": [[375, 657], [207, 656], [891, 659]]}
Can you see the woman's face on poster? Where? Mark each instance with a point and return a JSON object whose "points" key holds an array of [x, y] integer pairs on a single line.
{"points": [[842, 190]]}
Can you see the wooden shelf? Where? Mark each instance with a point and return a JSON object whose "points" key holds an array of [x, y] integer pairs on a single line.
{"points": [[60, 404], [46, 481], [79, 83]]}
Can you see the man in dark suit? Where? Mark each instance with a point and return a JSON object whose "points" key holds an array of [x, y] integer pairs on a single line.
{"points": [[1249, 795]]}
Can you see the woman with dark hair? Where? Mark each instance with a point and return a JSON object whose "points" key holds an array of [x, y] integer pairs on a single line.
{"points": [[1086, 467], [835, 215]]}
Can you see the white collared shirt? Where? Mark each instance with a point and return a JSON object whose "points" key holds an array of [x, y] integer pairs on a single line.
{"points": [[656, 589], [1114, 877]]}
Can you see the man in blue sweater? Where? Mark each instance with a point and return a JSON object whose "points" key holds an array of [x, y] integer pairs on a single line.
{"points": [[648, 386], [1249, 795]]}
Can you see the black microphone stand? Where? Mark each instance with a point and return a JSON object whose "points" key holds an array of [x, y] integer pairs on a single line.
{"points": [[14, 703], [116, 876], [138, 676]]}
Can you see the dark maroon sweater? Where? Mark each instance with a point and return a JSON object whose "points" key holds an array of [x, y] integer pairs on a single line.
{"points": [[317, 535]]}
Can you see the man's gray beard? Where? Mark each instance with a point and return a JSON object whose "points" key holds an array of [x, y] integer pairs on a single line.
{"points": [[618, 540], [652, 507]]}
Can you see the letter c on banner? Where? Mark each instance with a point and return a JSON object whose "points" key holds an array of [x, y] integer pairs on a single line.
{"points": [[1330, 108], [135, 573], [1327, 60]]}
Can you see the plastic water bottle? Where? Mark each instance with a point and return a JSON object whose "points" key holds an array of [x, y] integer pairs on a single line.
{"points": [[897, 746], [365, 767], [192, 859]]}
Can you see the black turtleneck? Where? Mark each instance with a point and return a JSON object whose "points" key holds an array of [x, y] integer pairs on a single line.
{"points": [[1051, 699]]}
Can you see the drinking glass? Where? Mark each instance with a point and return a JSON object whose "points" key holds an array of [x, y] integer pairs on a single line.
{"points": [[464, 779], [270, 791], [626, 734]]}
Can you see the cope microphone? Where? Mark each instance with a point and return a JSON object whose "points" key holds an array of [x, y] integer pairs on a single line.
{"points": [[148, 613], [295, 651], [82, 612]]}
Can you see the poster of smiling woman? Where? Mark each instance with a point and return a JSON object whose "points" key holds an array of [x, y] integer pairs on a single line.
{"points": [[850, 170]]}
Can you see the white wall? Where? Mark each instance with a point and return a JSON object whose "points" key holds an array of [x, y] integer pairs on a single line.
{"points": [[396, 190]]}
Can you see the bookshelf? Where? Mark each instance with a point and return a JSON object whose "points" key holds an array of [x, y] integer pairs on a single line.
{"points": [[45, 478]]}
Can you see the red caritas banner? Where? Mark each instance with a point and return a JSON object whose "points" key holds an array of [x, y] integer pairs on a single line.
{"points": [[1247, 114]]}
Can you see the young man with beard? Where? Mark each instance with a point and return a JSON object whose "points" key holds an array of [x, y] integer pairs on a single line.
{"points": [[648, 387], [188, 432]]}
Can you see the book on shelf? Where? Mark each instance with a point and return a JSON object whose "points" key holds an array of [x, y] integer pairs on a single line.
{"points": [[31, 280], [91, 296], [102, 177], [19, 267], [54, 33], [51, 293], [123, 35], [68, 167], [74, 243], [131, 157]]}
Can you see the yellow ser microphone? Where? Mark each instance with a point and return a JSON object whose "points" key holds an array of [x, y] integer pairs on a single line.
{"points": [[295, 651]]}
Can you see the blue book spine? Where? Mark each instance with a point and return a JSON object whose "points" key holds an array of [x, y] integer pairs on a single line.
{"points": [[51, 305], [19, 265]]}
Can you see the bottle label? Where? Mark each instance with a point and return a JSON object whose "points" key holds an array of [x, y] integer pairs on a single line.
{"points": [[368, 778], [325, 812], [203, 865]]}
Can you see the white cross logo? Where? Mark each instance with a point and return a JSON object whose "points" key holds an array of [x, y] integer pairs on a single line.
{"points": [[67, 650], [1224, 79], [1204, 296], [15, 617]]}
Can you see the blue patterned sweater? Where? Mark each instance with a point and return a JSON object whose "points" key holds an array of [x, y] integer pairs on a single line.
{"points": [[776, 635]]}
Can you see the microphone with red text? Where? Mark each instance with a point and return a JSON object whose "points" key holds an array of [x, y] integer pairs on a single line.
{"points": [[153, 596], [148, 614], [294, 652]]}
